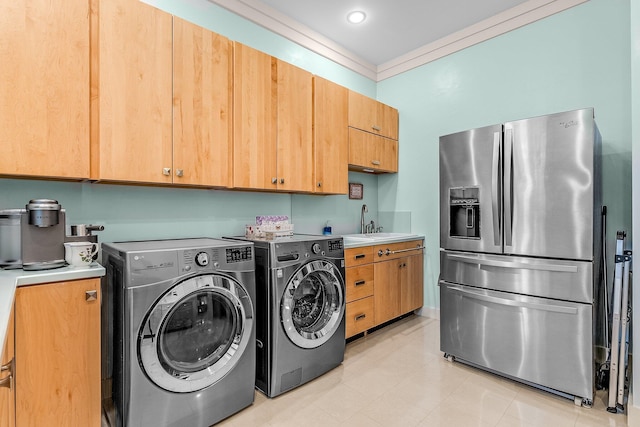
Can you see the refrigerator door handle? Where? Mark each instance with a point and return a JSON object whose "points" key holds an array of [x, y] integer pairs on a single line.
{"points": [[511, 302], [508, 186], [495, 189], [514, 264]]}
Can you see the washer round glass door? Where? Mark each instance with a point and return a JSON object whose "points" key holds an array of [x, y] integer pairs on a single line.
{"points": [[312, 306], [195, 333]]}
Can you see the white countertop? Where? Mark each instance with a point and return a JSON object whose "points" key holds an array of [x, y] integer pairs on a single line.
{"points": [[359, 240], [11, 279]]}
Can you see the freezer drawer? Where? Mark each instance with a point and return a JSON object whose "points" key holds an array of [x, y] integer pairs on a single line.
{"points": [[547, 278], [537, 340]]}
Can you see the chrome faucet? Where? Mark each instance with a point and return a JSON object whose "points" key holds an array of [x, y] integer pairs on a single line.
{"points": [[362, 212]]}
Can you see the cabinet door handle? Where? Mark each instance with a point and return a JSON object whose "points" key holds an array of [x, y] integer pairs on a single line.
{"points": [[389, 252], [7, 381], [359, 317], [376, 128], [274, 180], [180, 173], [319, 184], [375, 162], [91, 295], [166, 171], [360, 283], [281, 180], [360, 256]]}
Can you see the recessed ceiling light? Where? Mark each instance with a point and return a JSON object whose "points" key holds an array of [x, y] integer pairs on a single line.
{"points": [[356, 17]]}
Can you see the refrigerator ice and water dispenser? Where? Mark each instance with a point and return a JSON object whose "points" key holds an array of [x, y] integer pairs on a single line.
{"points": [[464, 212]]}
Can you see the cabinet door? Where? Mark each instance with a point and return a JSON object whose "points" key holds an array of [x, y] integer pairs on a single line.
{"points": [[132, 107], [362, 112], [57, 351], [255, 114], [372, 116], [295, 128], [387, 118], [331, 137], [202, 101], [7, 379], [372, 153], [387, 290], [411, 283], [44, 94]]}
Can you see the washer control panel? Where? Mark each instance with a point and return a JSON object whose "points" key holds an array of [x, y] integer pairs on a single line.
{"points": [[202, 259], [233, 258]]}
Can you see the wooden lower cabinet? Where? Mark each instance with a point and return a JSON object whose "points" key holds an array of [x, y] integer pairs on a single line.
{"points": [[412, 296], [57, 354], [382, 283], [396, 291], [360, 316], [7, 380]]}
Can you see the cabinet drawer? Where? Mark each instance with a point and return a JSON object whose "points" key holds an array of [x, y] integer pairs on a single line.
{"points": [[359, 282], [359, 316], [358, 256], [387, 251]]}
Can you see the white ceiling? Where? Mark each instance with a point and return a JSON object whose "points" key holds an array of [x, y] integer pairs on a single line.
{"points": [[392, 27], [398, 34]]}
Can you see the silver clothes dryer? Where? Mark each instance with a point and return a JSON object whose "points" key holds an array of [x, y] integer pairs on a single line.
{"points": [[300, 306], [180, 331]]}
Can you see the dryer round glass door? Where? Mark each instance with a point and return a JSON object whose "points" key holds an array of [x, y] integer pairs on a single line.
{"points": [[312, 306], [195, 333]]}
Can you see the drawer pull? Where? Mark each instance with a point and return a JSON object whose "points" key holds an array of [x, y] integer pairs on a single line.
{"points": [[359, 317], [360, 282], [360, 256]]}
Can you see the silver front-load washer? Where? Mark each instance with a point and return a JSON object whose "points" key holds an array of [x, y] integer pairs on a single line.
{"points": [[300, 306], [179, 346]]}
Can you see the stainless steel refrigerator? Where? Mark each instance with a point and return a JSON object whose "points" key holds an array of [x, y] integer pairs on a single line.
{"points": [[520, 242]]}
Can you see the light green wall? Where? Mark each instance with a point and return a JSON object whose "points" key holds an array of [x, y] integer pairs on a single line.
{"points": [[634, 419], [574, 59], [578, 58]]}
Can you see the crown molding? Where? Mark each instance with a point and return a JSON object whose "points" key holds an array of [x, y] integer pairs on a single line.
{"points": [[288, 28], [511, 19]]}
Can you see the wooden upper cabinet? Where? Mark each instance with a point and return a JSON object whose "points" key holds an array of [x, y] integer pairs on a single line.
{"points": [[372, 153], [131, 92], [255, 113], [272, 139], [202, 106], [44, 94], [372, 116], [331, 137], [295, 128]]}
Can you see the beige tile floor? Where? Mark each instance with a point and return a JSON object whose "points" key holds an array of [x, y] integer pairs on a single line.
{"points": [[397, 376]]}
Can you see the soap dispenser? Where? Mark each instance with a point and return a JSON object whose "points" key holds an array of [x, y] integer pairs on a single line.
{"points": [[327, 229]]}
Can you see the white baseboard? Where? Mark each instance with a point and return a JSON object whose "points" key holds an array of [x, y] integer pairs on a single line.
{"points": [[633, 413], [430, 312]]}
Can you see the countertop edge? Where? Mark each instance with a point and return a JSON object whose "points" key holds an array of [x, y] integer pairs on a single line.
{"points": [[11, 279], [362, 243]]}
